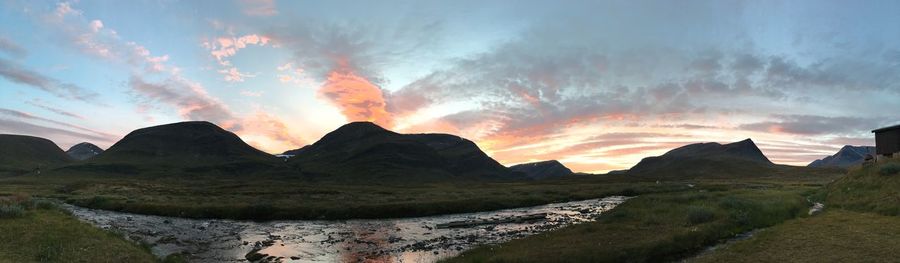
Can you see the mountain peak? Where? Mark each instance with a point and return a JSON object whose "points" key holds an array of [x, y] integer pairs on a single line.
{"points": [[543, 169], [703, 156], [191, 140], [847, 156], [83, 151]]}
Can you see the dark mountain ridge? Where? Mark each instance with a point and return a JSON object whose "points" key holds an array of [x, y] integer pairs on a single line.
{"points": [[184, 143], [845, 157], [702, 159], [366, 150]]}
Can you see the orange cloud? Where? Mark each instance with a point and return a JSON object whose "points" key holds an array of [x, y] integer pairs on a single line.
{"points": [[357, 98]]}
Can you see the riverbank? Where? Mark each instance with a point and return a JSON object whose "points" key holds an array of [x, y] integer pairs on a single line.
{"points": [[40, 232], [655, 227]]}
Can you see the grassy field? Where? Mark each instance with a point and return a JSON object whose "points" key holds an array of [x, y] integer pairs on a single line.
{"points": [[39, 232], [834, 236], [288, 197], [655, 227], [871, 188]]}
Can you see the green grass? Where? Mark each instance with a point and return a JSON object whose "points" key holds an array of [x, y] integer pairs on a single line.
{"points": [[654, 227], [871, 188], [834, 236], [43, 233]]}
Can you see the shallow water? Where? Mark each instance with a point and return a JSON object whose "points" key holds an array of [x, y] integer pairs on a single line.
{"points": [[383, 240]]}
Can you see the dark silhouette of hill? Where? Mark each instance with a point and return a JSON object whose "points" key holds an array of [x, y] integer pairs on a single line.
{"points": [[193, 147], [543, 170], [845, 157], [364, 150], [83, 151], [706, 160], [21, 154]]}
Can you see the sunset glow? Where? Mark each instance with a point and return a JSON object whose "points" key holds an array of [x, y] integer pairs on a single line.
{"points": [[596, 85]]}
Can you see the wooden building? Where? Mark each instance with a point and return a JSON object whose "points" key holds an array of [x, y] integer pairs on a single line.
{"points": [[887, 142]]}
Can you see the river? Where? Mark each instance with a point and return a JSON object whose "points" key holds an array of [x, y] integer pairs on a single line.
{"points": [[382, 240]]}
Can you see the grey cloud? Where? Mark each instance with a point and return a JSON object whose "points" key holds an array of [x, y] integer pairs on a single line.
{"points": [[16, 73], [26, 116], [180, 94], [37, 103], [816, 125], [19, 127], [12, 48]]}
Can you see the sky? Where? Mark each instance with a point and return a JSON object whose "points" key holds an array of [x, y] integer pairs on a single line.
{"points": [[597, 85]]}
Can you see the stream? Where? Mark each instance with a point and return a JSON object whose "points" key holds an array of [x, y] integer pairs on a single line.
{"points": [[380, 240]]}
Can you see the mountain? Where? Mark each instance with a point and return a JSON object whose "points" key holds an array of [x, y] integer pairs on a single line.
{"points": [[83, 151], [366, 150], [706, 159], [20, 154], [845, 157], [183, 144], [543, 170]]}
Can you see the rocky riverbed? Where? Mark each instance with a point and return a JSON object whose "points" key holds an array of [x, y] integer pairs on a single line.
{"points": [[383, 240]]}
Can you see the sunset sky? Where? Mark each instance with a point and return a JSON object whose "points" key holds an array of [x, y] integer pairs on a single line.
{"points": [[597, 85]]}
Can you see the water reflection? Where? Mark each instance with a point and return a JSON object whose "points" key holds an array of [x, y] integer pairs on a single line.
{"points": [[386, 240]]}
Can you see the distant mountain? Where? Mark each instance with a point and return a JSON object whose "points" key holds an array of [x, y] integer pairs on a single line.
{"points": [[83, 151], [543, 170], [19, 154], [706, 159], [193, 143], [366, 150], [845, 157]]}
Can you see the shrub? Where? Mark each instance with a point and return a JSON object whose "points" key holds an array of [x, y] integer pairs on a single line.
{"points": [[889, 169], [699, 215], [43, 204], [11, 211]]}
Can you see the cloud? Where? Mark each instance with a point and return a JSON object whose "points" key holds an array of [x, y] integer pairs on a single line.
{"points": [[189, 98], [224, 47], [95, 135], [14, 72], [357, 98], [816, 125], [258, 7], [37, 103], [19, 127], [11, 48]]}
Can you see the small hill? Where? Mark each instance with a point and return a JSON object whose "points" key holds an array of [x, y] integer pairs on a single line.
{"points": [[868, 188], [183, 144], [364, 150], [845, 157], [83, 151], [20, 154], [706, 160], [543, 170]]}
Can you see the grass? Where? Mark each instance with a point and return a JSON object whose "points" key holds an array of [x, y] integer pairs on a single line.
{"points": [[289, 198], [834, 236], [654, 227], [40, 232], [871, 188]]}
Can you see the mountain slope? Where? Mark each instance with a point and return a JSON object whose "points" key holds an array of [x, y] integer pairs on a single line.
{"points": [[83, 151], [193, 143], [363, 150], [845, 157], [706, 159], [543, 170], [19, 153]]}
